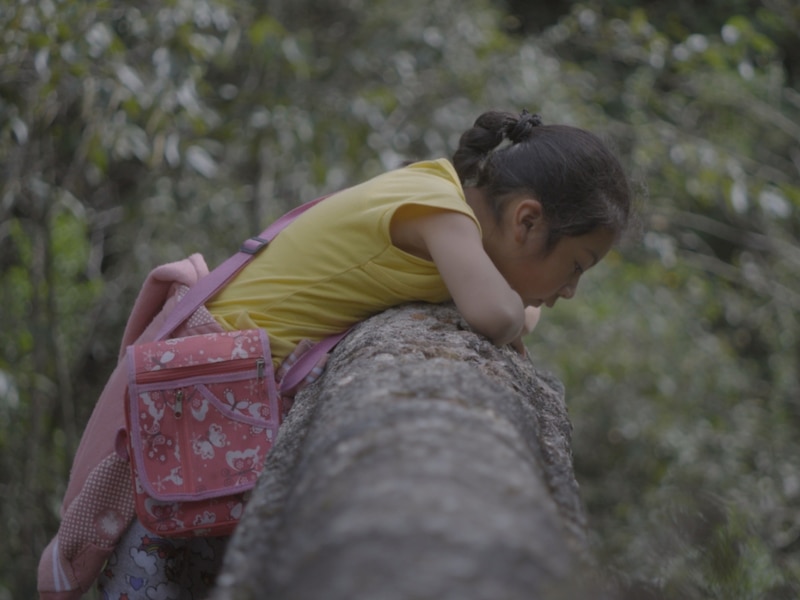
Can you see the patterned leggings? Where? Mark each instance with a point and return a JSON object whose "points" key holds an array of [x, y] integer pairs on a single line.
{"points": [[147, 567]]}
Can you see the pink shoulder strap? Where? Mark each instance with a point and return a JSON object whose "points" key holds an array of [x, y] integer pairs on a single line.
{"points": [[302, 367], [216, 279]]}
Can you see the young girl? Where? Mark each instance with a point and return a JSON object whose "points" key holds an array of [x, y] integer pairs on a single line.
{"points": [[509, 226], [496, 231]]}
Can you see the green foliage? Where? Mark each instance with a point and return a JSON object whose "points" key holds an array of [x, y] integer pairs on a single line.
{"points": [[135, 133], [684, 387]]}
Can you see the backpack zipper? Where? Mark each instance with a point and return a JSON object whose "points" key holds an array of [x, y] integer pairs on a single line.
{"points": [[212, 368]]}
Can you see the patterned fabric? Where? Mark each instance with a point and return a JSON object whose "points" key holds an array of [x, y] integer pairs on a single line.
{"points": [[201, 320], [93, 523], [203, 414], [148, 567]]}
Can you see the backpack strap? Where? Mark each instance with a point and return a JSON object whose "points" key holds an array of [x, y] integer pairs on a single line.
{"points": [[297, 373], [216, 279]]}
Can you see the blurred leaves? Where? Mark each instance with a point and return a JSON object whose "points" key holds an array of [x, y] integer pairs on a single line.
{"points": [[687, 367], [134, 134]]}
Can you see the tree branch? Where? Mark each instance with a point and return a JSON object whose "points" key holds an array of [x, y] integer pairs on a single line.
{"points": [[425, 464]]}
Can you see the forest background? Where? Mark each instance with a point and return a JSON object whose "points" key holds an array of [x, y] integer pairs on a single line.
{"points": [[134, 133]]}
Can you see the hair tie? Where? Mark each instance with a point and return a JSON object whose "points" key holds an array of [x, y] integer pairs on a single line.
{"points": [[523, 128]]}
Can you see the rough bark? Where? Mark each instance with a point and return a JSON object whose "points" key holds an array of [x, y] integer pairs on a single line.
{"points": [[425, 464]]}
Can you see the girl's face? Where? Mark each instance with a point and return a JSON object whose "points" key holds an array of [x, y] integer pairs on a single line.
{"points": [[542, 278]]}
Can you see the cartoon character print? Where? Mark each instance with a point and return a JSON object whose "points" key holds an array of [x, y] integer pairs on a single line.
{"points": [[207, 518], [158, 361], [158, 547], [244, 466], [155, 405], [146, 566], [166, 516], [245, 344], [204, 432], [198, 407], [156, 444], [238, 347], [235, 508], [204, 445], [232, 403], [257, 389], [109, 573], [175, 478], [259, 410]]}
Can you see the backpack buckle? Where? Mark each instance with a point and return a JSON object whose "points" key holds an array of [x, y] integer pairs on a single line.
{"points": [[253, 245]]}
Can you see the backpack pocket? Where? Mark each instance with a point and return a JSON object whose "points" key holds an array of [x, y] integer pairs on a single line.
{"points": [[202, 414]]}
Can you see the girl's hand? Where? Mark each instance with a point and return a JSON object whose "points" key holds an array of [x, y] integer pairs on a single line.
{"points": [[532, 315], [481, 294]]}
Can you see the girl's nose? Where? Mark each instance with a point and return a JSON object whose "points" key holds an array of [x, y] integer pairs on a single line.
{"points": [[568, 291]]}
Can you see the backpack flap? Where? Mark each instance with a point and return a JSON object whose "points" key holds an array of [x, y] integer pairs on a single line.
{"points": [[202, 414]]}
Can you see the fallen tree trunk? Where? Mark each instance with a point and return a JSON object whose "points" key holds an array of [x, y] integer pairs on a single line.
{"points": [[425, 464]]}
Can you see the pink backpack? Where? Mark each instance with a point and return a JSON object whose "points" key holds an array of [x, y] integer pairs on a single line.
{"points": [[202, 414], [101, 497]]}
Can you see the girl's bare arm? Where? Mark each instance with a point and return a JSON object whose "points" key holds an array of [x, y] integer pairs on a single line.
{"points": [[478, 289]]}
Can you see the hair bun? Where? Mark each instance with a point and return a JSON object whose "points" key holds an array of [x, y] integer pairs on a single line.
{"points": [[522, 129]]}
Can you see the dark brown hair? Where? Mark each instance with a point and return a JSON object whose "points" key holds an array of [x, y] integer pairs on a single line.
{"points": [[571, 172]]}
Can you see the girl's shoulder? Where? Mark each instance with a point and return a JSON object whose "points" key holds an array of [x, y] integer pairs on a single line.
{"points": [[440, 168], [427, 180], [430, 182]]}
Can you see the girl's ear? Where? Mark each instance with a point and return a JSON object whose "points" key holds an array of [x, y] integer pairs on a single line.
{"points": [[528, 218]]}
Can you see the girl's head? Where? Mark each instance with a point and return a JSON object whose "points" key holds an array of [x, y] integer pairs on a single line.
{"points": [[557, 196], [578, 181]]}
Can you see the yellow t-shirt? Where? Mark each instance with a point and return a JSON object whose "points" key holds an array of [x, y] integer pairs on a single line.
{"points": [[335, 265]]}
